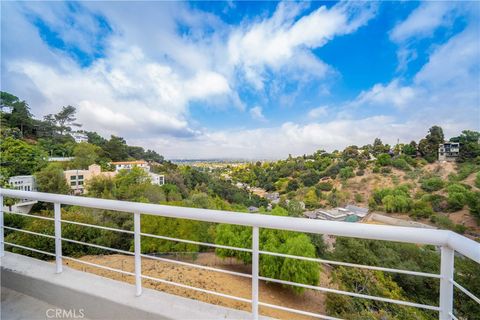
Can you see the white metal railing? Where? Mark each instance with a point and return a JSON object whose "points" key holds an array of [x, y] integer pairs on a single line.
{"points": [[448, 241]]}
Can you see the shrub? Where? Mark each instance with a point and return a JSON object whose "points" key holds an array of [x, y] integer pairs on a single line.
{"points": [[386, 170], [376, 169], [401, 164], [438, 202], [358, 197], [473, 201], [421, 209], [324, 186], [396, 203], [457, 196], [352, 163], [442, 221], [477, 180], [346, 173], [360, 172], [362, 165], [432, 184], [384, 159]]}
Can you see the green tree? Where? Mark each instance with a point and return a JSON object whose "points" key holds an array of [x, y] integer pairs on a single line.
{"points": [[65, 119], [52, 180], [428, 146], [116, 148], [127, 184], [280, 241], [20, 117], [101, 187], [85, 155], [20, 158]]}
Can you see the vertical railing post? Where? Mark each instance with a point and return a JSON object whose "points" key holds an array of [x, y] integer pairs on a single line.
{"points": [[138, 258], [58, 236], [255, 262], [2, 245], [446, 286]]}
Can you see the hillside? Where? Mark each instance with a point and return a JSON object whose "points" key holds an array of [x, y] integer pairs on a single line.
{"points": [[402, 181]]}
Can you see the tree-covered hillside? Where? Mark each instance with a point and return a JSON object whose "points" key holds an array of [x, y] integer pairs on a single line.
{"points": [[401, 180]]}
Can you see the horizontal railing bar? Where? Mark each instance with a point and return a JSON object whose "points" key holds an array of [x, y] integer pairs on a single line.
{"points": [[196, 289], [99, 266], [98, 227], [195, 242], [352, 294], [28, 248], [354, 265], [98, 246], [30, 232], [305, 313], [365, 231], [29, 215], [464, 290], [197, 266], [452, 316]]}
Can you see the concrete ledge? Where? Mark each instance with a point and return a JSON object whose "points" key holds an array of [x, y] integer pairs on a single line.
{"points": [[101, 298]]}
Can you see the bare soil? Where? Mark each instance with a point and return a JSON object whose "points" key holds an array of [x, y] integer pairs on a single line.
{"points": [[310, 300]]}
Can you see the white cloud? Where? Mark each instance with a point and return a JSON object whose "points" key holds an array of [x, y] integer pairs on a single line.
{"points": [[143, 86], [257, 113], [423, 21], [392, 94], [318, 112], [281, 41]]}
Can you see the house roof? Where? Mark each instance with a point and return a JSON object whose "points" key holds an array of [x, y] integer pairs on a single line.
{"points": [[130, 162]]}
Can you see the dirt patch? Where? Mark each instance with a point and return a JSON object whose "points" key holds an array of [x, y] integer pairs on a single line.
{"points": [[442, 169], [312, 301], [464, 217]]}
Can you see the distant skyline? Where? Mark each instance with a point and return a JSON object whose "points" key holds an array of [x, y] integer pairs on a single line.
{"points": [[248, 80]]}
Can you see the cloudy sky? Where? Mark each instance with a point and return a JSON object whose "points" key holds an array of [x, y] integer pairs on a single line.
{"points": [[247, 79]]}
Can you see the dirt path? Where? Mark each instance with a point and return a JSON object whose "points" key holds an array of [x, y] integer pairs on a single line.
{"points": [[312, 301]]}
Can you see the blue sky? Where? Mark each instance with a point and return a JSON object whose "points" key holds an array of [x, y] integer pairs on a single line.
{"points": [[248, 79]]}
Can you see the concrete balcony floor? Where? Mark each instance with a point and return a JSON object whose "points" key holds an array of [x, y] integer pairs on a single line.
{"points": [[31, 289]]}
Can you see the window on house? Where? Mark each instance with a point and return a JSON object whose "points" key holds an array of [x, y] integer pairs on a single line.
{"points": [[73, 183]]}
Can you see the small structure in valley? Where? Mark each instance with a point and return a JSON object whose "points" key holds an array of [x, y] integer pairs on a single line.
{"points": [[350, 213]]}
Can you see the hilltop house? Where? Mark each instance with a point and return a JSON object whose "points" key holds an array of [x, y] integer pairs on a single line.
{"points": [[129, 165], [158, 179], [79, 137], [448, 151]]}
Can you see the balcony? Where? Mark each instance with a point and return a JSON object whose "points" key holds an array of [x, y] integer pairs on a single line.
{"points": [[138, 301]]}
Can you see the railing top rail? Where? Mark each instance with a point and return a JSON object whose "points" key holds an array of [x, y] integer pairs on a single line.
{"points": [[463, 245]]}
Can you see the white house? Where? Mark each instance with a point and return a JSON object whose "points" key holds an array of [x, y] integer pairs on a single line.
{"points": [[79, 137], [448, 151], [129, 165], [24, 183], [158, 179]]}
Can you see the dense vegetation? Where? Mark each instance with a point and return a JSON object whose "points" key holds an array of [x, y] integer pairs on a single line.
{"points": [[317, 180]]}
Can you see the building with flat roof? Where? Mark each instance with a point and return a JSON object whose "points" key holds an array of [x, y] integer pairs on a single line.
{"points": [[448, 151], [350, 213], [129, 165], [76, 178], [79, 137], [24, 183]]}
